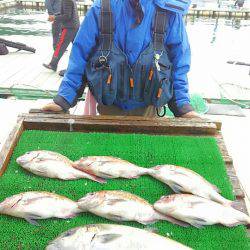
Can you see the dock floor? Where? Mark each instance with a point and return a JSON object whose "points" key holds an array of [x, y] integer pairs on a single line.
{"points": [[24, 69]]}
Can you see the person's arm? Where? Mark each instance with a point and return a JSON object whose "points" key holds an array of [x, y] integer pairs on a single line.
{"points": [[49, 7], [179, 52], [67, 7], [83, 44]]}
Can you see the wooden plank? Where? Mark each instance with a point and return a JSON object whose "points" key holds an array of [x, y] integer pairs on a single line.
{"points": [[237, 189], [115, 124], [128, 118], [9, 145]]}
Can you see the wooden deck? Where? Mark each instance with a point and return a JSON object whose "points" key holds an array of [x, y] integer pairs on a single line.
{"points": [[24, 69]]}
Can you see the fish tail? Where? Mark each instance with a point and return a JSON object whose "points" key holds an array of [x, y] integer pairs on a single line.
{"points": [[220, 199], [248, 220], [148, 171], [154, 171]]}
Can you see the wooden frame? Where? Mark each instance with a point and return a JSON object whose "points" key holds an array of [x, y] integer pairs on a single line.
{"points": [[172, 126]]}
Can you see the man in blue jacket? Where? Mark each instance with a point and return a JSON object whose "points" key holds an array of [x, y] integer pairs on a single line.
{"points": [[54, 7], [134, 55]]}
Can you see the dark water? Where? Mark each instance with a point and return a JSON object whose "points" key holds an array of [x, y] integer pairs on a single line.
{"points": [[24, 22]]}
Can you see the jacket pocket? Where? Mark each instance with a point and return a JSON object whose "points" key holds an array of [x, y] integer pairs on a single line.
{"points": [[108, 86], [149, 84], [102, 84], [163, 93], [140, 82], [164, 87], [122, 82]]}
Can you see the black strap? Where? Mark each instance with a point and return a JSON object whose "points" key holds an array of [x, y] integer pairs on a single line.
{"points": [[106, 25], [160, 27]]}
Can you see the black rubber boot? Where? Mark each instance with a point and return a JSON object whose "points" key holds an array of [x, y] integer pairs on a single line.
{"points": [[49, 66], [62, 72]]}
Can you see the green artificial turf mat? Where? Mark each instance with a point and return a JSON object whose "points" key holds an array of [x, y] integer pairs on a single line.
{"points": [[198, 153]]}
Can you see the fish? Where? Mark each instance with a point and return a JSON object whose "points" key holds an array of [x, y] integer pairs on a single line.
{"points": [[121, 206], [112, 237], [183, 180], [53, 165], [198, 211], [35, 205], [109, 167]]}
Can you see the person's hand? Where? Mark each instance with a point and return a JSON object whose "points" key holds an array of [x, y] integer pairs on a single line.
{"points": [[52, 107], [51, 18], [191, 114]]}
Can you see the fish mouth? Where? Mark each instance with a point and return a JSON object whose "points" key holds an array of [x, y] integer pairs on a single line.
{"points": [[20, 160], [1, 207], [53, 246]]}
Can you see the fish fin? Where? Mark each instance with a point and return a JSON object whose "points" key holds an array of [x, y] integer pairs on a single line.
{"points": [[105, 238], [196, 222], [192, 204], [180, 172], [216, 189], [235, 224], [151, 229], [176, 187], [176, 221], [70, 216], [40, 172], [32, 221], [145, 223], [99, 179], [197, 225], [106, 176], [116, 217], [114, 201], [96, 178], [234, 204]]}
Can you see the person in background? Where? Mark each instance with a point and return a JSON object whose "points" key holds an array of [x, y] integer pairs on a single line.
{"points": [[70, 24], [135, 56], [54, 7], [239, 3]]}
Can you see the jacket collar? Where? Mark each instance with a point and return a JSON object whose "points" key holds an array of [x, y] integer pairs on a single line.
{"points": [[177, 6]]}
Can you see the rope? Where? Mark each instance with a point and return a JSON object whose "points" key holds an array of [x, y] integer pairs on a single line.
{"points": [[47, 92], [224, 93]]}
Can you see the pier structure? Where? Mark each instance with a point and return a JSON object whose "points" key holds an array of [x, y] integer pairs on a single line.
{"points": [[84, 6], [4, 4], [220, 12]]}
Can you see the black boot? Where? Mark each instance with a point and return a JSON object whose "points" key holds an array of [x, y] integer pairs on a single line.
{"points": [[49, 66], [62, 72]]}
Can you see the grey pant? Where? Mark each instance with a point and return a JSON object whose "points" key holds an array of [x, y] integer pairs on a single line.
{"points": [[56, 31], [66, 37], [149, 111]]}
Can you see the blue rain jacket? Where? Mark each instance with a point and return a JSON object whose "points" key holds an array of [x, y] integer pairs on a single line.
{"points": [[132, 41]]}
